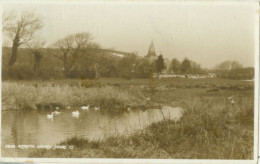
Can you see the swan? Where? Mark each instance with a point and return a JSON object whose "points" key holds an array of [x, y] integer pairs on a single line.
{"points": [[128, 109], [75, 113], [148, 99], [57, 108], [231, 97], [97, 108], [232, 102], [68, 107], [85, 107], [56, 112], [50, 116]]}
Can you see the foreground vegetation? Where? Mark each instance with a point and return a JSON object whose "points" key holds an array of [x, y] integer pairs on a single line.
{"points": [[29, 97], [112, 94], [211, 127]]}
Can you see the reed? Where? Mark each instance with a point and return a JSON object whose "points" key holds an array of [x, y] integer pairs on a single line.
{"points": [[211, 128], [24, 96]]}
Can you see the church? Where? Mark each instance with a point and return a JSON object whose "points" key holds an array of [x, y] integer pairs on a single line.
{"points": [[151, 55]]}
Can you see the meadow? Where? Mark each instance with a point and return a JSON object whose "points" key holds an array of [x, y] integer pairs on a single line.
{"points": [[113, 93], [211, 126]]}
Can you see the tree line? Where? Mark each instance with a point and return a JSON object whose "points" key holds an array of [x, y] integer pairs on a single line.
{"points": [[78, 56]]}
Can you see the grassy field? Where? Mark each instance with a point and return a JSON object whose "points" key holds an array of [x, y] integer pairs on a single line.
{"points": [[211, 127], [113, 94]]}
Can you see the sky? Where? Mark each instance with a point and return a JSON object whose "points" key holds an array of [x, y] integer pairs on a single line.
{"points": [[207, 33]]}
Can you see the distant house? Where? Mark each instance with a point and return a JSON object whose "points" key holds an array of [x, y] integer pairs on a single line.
{"points": [[201, 76], [191, 76], [212, 75]]}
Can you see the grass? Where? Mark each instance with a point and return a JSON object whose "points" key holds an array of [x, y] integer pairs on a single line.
{"points": [[211, 127], [110, 94], [23, 96]]}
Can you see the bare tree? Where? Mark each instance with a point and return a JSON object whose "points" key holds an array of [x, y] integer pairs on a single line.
{"points": [[70, 47], [36, 46], [7, 19], [21, 29]]}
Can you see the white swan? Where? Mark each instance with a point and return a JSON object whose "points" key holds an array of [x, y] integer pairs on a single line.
{"points": [[85, 107], [75, 114], [231, 97], [56, 112], [50, 116], [128, 109], [57, 108], [97, 108]]}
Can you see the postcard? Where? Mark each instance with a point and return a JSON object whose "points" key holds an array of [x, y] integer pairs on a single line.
{"points": [[129, 81]]}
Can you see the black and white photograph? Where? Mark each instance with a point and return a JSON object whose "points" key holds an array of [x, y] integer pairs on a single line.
{"points": [[142, 81]]}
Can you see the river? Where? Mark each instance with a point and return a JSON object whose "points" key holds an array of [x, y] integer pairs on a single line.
{"points": [[32, 127]]}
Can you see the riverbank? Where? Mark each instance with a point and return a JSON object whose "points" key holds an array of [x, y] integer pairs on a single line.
{"points": [[210, 128], [23, 96], [113, 94]]}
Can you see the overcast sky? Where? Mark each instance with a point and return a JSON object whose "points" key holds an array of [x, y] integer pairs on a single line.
{"points": [[207, 33]]}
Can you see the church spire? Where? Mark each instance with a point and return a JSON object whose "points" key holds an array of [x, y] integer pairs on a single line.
{"points": [[151, 51], [151, 55]]}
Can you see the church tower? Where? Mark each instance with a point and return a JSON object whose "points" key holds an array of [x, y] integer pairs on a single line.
{"points": [[151, 55]]}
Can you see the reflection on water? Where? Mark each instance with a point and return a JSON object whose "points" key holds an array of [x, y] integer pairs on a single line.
{"points": [[34, 128]]}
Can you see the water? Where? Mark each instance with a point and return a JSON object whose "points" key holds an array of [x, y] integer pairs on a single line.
{"points": [[31, 127]]}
